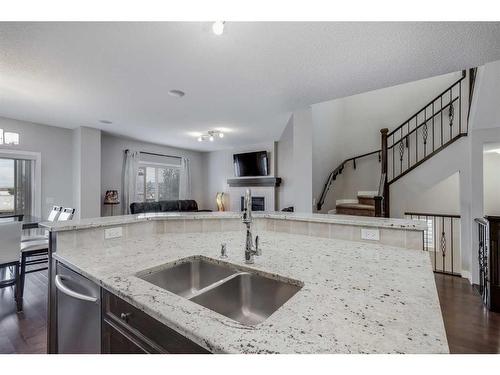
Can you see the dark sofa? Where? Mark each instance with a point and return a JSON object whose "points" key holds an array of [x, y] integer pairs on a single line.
{"points": [[188, 205]]}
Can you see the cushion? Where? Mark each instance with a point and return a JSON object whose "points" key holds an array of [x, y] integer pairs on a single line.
{"points": [[169, 206], [143, 207], [34, 245], [188, 205]]}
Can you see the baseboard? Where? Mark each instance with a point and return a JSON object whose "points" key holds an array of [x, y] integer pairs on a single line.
{"points": [[467, 275]]}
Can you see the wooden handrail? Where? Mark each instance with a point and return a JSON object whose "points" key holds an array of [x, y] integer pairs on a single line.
{"points": [[333, 175], [428, 104], [428, 214]]}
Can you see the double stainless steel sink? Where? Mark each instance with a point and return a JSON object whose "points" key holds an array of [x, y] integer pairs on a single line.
{"points": [[242, 295]]}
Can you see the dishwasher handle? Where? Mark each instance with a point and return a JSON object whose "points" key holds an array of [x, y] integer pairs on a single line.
{"points": [[64, 289]]}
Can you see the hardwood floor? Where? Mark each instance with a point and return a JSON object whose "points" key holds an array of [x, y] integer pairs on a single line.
{"points": [[25, 332], [470, 327]]}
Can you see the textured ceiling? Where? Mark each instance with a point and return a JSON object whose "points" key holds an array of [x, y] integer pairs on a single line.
{"points": [[246, 81]]}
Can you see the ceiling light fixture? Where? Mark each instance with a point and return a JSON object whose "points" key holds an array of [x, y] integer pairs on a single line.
{"points": [[176, 93], [218, 27], [211, 135]]}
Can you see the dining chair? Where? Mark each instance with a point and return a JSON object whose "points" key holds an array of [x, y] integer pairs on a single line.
{"points": [[66, 214], [41, 233], [36, 252], [10, 233]]}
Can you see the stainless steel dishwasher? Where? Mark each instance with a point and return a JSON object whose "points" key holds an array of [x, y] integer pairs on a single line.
{"points": [[78, 313]]}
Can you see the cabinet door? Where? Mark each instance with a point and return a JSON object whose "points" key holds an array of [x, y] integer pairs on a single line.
{"points": [[116, 341]]}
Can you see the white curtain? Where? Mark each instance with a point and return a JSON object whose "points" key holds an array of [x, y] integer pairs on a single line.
{"points": [[130, 169], [185, 180]]}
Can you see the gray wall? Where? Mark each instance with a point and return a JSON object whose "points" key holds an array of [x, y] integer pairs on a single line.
{"points": [[303, 160], [112, 152], [218, 167], [55, 145], [284, 166]]}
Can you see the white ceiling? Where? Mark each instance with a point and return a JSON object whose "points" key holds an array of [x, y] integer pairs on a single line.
{"points": [[246, 81]]}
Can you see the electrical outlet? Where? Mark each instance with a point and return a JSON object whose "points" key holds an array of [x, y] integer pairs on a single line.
{"points": [[370, 234], [113, 233]]}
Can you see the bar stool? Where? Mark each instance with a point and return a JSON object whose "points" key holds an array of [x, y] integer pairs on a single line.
{"points": [[10, 233]]}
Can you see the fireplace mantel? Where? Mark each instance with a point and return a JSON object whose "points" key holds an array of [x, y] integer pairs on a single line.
{"points": [[258, 181]]}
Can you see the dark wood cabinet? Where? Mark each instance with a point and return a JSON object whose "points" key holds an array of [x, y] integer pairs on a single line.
{"points": [[126, 329], [116, 341]]}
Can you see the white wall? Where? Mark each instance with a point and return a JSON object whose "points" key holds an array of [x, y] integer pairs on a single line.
{"points": [[87, 172], [491, 176], [218, 166], [55, 145], [112, 152], [303, 160], [284, 167], [350, 126]]}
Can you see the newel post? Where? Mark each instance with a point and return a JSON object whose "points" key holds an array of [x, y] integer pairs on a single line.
{"points": [[384, 185]]}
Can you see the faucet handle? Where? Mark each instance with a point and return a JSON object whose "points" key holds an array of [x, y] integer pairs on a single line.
{"points": [[223, 250], [258, 250]]}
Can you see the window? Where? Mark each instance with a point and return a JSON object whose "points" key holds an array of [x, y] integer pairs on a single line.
{"points": [[9, 138], [157, 183], [16, 186]]}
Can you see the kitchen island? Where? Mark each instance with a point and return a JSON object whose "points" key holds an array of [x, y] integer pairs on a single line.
{"points": [[356, 296]]}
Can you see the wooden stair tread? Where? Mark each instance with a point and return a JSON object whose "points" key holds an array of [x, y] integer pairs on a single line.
{"points": [[356, 206]]}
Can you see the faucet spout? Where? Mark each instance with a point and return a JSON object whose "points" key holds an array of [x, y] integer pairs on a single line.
{"points": [[247, 219]]}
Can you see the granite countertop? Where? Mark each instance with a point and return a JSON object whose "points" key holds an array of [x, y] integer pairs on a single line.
{"points": [[356, 298], [319, 218]]}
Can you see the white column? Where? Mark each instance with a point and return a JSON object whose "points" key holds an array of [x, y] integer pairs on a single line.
{"points": [[302, 160], [87, 172]]}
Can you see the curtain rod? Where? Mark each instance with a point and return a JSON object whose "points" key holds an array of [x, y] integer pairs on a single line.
{"points": [[152, 153]]}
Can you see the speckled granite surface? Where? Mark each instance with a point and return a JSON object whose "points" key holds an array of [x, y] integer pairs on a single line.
{"points": [[318, 218], [356, 298]]}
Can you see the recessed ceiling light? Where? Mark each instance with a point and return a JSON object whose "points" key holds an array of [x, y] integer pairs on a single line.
{"points": [[218, 27], [176, 93], [107, 122]]}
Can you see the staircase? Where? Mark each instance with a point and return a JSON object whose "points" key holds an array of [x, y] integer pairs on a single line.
{"points": [[430, 130], [364, 205]]}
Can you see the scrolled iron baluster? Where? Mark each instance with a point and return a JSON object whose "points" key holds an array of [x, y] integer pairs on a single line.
{"points": [[443, 243], [425, 133], [401, 150], [451, 114]]}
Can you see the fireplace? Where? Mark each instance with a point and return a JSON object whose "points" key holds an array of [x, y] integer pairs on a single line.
{"points": [[258, 203]]}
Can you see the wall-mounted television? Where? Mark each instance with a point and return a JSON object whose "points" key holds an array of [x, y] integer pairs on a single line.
{"points": [[251, 164]]}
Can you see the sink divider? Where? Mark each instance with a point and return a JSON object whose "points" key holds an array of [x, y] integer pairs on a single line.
{"points": [[217, 283]]}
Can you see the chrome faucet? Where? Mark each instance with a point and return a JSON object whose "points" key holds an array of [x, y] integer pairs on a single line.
{"points": [[250, 250]]}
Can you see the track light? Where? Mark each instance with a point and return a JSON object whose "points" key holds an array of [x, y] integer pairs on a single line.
{"points": [[210, 135]]}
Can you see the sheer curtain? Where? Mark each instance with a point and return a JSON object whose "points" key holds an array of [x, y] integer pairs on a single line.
{"points": [[185, 180], [22, 186], [130, 169]]}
